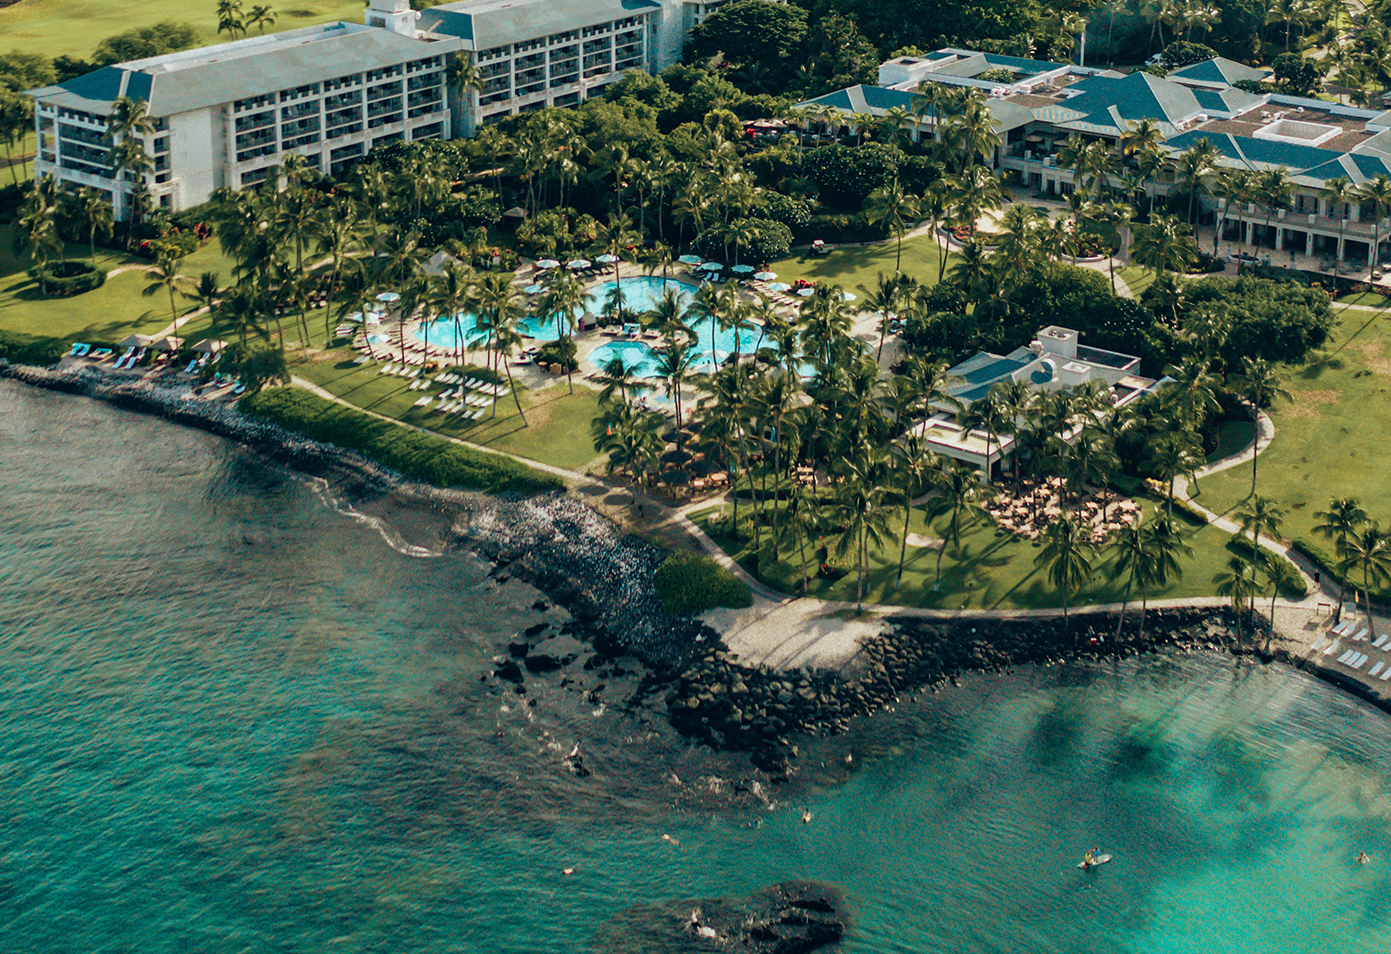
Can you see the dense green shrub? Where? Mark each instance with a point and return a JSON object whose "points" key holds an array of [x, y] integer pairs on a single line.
{"points": [[1183, 53], [19, 348], [762, 240], [846, 175], [561, 352], [791, 212], [414, 455], [999, 74], [689, 583], [65, 279], [837, 229], [1277, 320]]}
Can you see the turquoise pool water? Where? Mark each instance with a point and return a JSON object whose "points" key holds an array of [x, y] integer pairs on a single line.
{"points": [[639, 356], [445, 333], [233, 718]]}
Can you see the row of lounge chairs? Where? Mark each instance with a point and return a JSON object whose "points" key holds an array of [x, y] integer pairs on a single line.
{"points": [[1352, 657], [81, 350]]}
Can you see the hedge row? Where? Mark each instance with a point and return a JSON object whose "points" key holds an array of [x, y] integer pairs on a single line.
{"points": [[1295, 588], [689, 583], [19, 348], [65, 279], [1328, 566], [415, 456]]}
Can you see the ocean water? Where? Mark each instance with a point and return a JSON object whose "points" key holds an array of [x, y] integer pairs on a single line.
{"points": [[238, 714]]}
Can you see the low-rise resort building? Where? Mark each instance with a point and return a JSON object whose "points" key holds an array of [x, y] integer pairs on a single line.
{"points": [[1055, 359], [1038, 105]]}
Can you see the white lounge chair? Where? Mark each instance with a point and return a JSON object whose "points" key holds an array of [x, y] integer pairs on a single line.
{"points": [[1358, 661], [1341, 628], [387, 369], [1362, 635], [1347, 654], [1380, 640], [1332, 648], [1319, 643], [421, 402], [1385, 674], [1375, 669]]}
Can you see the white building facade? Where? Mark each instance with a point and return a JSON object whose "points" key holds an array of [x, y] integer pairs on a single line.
{"points": [[225, 115]]}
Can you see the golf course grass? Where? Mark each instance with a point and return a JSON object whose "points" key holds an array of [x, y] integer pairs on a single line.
{"points": [[1329, 441], [856, 268], [75, 27]]}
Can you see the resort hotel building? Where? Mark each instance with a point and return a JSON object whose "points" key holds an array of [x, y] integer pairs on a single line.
{"points": [[1036, 105], [225, 115], [1056, 358]]}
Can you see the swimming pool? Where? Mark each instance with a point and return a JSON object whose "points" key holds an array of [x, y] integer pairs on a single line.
{"points": [[444, 333], [638, 356]]}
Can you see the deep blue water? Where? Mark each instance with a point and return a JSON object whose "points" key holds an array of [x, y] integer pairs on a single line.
{"points": [[236, 717]]}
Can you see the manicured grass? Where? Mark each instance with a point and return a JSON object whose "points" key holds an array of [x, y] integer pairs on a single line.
{"points": [[993, 570], [1366, 300], [558, 431], [1136, 277], [416, 456], [1330, 441], [1233, 436], [856, 268], [108, 313], [75, 27]]}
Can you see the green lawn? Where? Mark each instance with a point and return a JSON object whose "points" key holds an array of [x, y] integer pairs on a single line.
{"points": [[993, 570], [559, 422], [75, 27], [856, 268], [1136, 277], [1365, 299], [107, 314], [1330, 440]]}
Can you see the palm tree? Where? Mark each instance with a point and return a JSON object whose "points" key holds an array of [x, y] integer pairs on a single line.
{"points": [[1261, 516], [1164, 244], [1140, 138], [1369, 551], [261, 16], [801, 521], [860, 509], [563, 300], [673, 365], [1067, 553], [206, 292], [128, 126], [95, 213], [1340, 192], [1261, 386], [1172, 454], [1376, 192], [506, 340], [229, 19], [1341, 522], [618, 373], [1238, 586], [957, 495], [1149, 554], [500, 304], [916, 466], [165, 272], [1191, 169], [892, 206]]}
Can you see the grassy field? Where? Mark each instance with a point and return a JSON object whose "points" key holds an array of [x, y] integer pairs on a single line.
{"points": [[107, 314], [1136, 277], [75, 27], [993, 570], [1328, 440], [856, 268], [559, 422]]}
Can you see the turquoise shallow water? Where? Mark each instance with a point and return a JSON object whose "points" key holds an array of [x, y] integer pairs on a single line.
{"points": [[232, 718]]}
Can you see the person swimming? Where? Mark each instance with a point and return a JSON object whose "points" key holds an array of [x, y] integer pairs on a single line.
{"points": [[1362, 858]]}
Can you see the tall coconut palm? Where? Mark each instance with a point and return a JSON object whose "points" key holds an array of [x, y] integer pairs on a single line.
{"points": [[1148, 553], [95, 214], [801, 521], [506, 341], [1066, 554], [562, 300], [895, 207], [1261, 516], [1165, 244], [1340, 192], [1261, 385], [1238, 585], [1376, 192], [1171, 455], [165, 274], [500, 303], [957, 495], [916, 467], [1370, 552], [1341, 522], [673, 367], [860, 509], [1192, 167]]}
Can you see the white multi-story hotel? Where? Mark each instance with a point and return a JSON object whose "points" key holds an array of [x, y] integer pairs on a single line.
{"points": [[225, 115]]}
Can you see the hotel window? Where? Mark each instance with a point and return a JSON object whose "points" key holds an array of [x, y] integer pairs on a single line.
{"points": [[428, 131]]}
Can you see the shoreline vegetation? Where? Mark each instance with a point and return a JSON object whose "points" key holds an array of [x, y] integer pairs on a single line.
{"points": [[606, 579]]}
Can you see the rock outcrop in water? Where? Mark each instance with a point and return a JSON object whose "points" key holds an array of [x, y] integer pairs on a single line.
{"points": [[793, 917]]}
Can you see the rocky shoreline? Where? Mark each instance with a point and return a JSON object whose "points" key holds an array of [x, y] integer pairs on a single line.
{"points": [[603, 578]]}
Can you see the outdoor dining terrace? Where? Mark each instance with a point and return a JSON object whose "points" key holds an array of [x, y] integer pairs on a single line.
{"points": [[1027, 510]]}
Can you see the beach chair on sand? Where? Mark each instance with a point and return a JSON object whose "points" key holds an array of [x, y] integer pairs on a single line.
{"points": [[1375, 669], [1341, 628], [1332, 648], [1385, 674], [1318, 644], [1361, 635], [79, 349], [1358, 661]]}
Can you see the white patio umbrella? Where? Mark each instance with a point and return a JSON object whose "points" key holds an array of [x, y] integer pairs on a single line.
{"points": [[711, 267], [546, 263], [210, 346], [765, 276], [848, 296], [689, 259], [134, 341], [606, 259], [389, 297], [779, 287], [806, 292], [575, 264], [742, 269]]}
